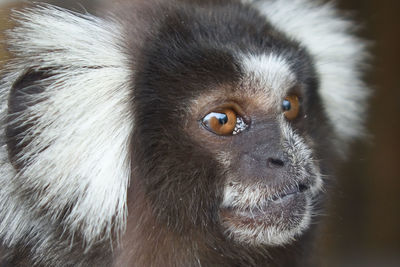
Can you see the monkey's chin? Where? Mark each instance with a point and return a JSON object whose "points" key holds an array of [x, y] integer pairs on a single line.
{"points": [[272, 222]]}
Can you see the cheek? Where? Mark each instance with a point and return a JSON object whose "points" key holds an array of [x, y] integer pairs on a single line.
{"points": [[182, 185]]}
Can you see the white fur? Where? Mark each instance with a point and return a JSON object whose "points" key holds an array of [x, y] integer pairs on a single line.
{"points": [[83, 126], [241, 196], [272, 235], [338, 56], [271, 75]]}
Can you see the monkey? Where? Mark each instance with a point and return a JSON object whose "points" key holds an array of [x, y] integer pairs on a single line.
{"points": [[174, 132]]}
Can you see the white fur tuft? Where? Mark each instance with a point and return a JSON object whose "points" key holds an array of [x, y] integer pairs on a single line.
{"points": [[79, 155], [272, 73], [338, 56]]}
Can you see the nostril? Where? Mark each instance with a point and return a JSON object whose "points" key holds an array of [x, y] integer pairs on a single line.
{"points": [[275, 163]]}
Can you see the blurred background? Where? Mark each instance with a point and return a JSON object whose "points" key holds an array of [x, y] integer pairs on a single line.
{"points": [[362, 223]]}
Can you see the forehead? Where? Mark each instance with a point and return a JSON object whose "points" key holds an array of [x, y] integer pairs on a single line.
{"points": [[231, 51], [265, 80]]}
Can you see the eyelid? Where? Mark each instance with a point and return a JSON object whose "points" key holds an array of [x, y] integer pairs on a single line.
{"points": [[217, 107]]}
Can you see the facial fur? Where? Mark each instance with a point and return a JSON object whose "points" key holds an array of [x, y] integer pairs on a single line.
{"points": [[106, 143]]}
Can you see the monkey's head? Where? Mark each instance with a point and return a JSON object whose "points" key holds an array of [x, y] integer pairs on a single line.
{"points": [[216, 121], [226, 130]]}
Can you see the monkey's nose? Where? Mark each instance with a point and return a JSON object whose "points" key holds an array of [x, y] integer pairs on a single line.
{"points": [[275, 163]]}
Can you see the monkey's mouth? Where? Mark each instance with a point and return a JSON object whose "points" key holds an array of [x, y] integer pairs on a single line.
{"points": [[259, 223], [283, 202], [288, 193]]}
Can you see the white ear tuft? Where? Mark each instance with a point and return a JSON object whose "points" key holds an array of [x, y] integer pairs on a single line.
{"points": [[338, 55], [78, 159]]}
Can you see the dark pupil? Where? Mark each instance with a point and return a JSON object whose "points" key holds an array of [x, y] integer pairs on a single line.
{"points": [[222, 118], [286, 105]]}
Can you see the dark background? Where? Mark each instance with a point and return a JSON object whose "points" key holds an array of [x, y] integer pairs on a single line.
{"points": [[362, 223]]}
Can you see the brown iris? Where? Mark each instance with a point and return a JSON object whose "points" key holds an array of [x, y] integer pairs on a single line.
{"points": [[291, 107], [222, 122]]}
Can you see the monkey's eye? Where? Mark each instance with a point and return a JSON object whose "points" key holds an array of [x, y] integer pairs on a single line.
{"points": [[226, 122], [291, 107]]}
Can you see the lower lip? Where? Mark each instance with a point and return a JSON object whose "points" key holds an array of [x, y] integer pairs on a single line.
{"points": [[285, 209]]}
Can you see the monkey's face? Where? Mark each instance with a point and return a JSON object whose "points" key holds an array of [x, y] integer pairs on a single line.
{"points": [[229, 135], [255, 132]]}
